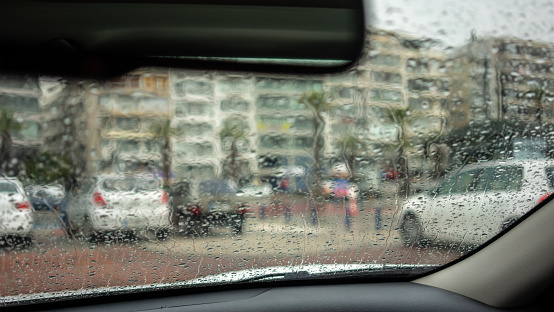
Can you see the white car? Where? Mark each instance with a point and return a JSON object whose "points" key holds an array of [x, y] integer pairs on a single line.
{"points": [[16, 212], [476, 202], [119, 204]]}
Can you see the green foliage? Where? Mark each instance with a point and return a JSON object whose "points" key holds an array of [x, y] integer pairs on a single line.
{"points": [[397, 115], [538, 95], [48, 168], [350, 144], [319, 103], [8, 122], [162, 129], [233, 132], [315, 100]]}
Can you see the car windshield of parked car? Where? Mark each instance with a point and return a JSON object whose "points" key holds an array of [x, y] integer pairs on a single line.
{"points": [[437, 139], [119, 184], [7, 188], [147, 185]]}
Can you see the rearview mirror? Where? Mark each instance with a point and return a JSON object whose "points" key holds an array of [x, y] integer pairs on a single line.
{"points": [[110, 38]]}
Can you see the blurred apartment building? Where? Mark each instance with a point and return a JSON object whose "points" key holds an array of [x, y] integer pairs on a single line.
{"points": [[21, 100], [68, 114], [399, 93], [500, 86], [127, 110], [498, 78], [398, 75]]}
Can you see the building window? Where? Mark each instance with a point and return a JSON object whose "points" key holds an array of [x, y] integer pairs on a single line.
{"points": [[196, 129], [235, 122], [195, 172], [303, 123], [128, 124], [290, 85], [389, 78], [385, 60], [303, 142], [126, 103], [128, 146], [233, 86], [348, 110], [191, 87], [234, 104], [386, 95], [19, 104], [30, 130], [346, 93], [194, 149], [195, 109], [419, 104], [273, 102], [153, 146], [432, 85], [274, 141]]}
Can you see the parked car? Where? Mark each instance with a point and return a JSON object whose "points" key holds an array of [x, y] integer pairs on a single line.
{"points": [[116, 203], [476, 202], [47, 197], [186, 214], [16, 213], [216, 205]]}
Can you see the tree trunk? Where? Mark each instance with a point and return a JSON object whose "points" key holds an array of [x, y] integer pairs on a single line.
{"points": [[230, 166], [5, 150], [403, 174], [318, 128], [166, 162], [350, 164]]}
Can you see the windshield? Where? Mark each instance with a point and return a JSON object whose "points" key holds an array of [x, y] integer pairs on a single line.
{"points": [[210, 188], [8, 188], [436, 140], [129, 184]]}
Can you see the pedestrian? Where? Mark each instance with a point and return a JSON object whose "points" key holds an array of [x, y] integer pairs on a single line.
{"points": [[340, 190], [375, 201], [287, 209]]}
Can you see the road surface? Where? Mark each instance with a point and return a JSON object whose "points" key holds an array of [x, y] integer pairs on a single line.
{"points": [[57, 263]]}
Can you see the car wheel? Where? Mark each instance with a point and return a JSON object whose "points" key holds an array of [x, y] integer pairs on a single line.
{"points": [[237, 229], [202, 230], [238, 225], [200, 226], [162, 234], [27, 242], [411, 231], [18, 242], [88, 233]]}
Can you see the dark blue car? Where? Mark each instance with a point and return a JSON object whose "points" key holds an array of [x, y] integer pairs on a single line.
{"points": [[45, 198]]}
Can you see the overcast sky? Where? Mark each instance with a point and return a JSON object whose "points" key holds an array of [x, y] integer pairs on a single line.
{"points": [[453, 21]]}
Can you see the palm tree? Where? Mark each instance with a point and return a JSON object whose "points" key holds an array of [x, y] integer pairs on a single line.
{"points": [[7, 123], [350, 146], [398, 117], [165, 132], [538, 96], [234, 133], [319, 104]]}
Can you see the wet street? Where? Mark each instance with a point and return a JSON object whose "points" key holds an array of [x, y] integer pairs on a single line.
{"points": [[57, 262]]}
